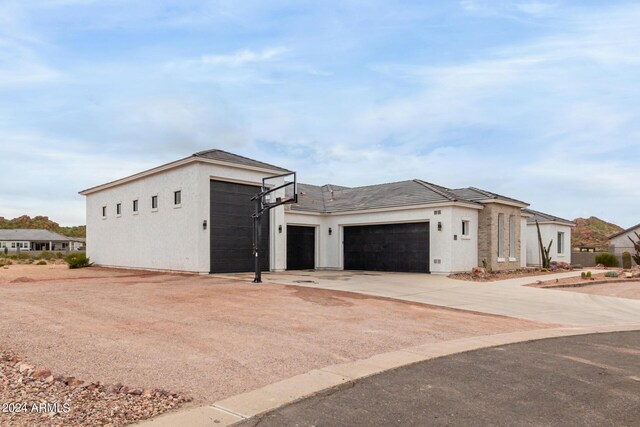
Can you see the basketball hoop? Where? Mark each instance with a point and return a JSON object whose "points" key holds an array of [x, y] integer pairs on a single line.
{"points": [[276, 190]]}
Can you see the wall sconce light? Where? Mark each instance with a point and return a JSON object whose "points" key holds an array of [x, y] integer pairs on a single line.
{"points": [[204, 224], [439, 226], [330, 231], [280, 229]]}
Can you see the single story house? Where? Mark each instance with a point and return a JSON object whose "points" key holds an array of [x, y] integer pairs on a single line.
{"points": [[194, 215], [554, 230], [16, 240], [620, 242]]}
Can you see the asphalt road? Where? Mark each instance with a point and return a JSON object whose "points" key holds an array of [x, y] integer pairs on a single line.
{"points": [[591, 380]]}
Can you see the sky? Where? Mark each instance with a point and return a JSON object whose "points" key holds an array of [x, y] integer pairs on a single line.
{"points": [[537, 100]]}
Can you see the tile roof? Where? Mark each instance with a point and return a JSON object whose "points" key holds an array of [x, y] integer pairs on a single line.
{"points": [[333, 198], [20, 234], [476, 194], [225, 156], [543, 217]]}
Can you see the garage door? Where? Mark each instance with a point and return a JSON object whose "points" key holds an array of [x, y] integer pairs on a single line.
{"points": [[389, 247], [301, 247], [231, 228]]}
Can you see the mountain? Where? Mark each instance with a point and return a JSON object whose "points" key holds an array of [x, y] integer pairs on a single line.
{"points": [[43, 222], [593, 231]]}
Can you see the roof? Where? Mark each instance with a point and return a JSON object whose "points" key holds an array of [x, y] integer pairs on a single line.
{"points": [[624, 231], [478, 195], [215, 155], [334, 198], [543, 217], [21, 234], [225, 156]]}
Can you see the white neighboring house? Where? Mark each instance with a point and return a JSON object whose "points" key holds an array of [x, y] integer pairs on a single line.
{"points": [[620, 242], [553, 229], [34, 240], [194, 215]]}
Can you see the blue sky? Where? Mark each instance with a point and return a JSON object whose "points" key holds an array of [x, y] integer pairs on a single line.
{"points": [[538, 100]]}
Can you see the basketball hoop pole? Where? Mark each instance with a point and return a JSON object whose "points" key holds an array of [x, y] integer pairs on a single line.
{"points": [[256, 240], [261, 208]]}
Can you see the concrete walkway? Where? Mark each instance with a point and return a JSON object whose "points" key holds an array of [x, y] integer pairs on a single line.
{"points": [[506, 297]]}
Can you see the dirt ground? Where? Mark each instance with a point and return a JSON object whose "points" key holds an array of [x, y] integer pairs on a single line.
{"points": [[206, 336], [630, 289]]}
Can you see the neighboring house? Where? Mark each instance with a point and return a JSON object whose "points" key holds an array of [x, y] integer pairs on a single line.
{"points": [[34, 240], [620, 242], [78, 243], [554, 230], [194, 215]]}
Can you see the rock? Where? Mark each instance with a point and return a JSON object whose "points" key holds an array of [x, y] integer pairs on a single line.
{"points": [[49, 379], [478, 273], [72, 382], [149, 392], [41, 374], [135, 391], [23, 367]]}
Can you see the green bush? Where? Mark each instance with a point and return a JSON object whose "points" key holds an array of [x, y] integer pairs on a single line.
{"points": [[59, 255], [626, 260], [588, 274], [41, 262], [607, 259], [583, 275], [46, 255], [611, 274], [79, 260]]}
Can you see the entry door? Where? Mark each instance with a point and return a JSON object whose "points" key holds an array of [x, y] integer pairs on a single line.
{"points": [[388, 247], [301, 247]]}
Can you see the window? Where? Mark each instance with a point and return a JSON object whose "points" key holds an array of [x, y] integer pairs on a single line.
{"points": [[104, 212], [465, 228], [560, 243], [500, 237], [119, 209], [13, 245], [512, 237], [177, 197], [135, 205], [154, 202]]}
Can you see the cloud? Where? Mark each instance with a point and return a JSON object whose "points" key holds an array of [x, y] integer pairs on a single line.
{"points": [[242, 57]]}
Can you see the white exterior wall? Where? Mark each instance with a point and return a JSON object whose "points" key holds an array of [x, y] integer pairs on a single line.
{"points": [[549, 231], [454, 255], [170, 238], [622, 242]]}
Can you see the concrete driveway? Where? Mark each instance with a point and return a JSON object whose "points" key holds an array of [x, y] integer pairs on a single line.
{"points": [[506, 297]]}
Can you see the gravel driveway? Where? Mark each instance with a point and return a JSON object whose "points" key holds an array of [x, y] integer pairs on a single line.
{"points": [[206, 336]]}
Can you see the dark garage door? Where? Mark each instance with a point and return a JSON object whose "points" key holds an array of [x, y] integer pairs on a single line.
{"points": [[232, 228], [389, 247], [301, 247]]}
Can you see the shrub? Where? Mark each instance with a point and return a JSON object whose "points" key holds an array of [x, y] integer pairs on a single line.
{"points": [[583, 275], [41, 262], [59, 255], [78, 260], [588, 274], [46, 255], [607, 259], [611, 274], [626, 260]]}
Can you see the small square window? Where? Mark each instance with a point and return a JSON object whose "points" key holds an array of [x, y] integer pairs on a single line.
{"points": [[154, 202], [465, 228], [104, 211], [135, 205], [177, 197], [118, 208]]}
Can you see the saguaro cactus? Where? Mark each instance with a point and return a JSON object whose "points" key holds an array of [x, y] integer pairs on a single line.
{"points": [[636, 246], [544, 252]]}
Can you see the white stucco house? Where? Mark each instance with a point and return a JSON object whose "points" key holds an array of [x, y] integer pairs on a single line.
{"points": [[16, 240], [194, 215], [620, 242], [554, 230]]}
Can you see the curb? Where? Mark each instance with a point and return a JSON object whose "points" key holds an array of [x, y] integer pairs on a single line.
{"points": [[247, 405]]}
